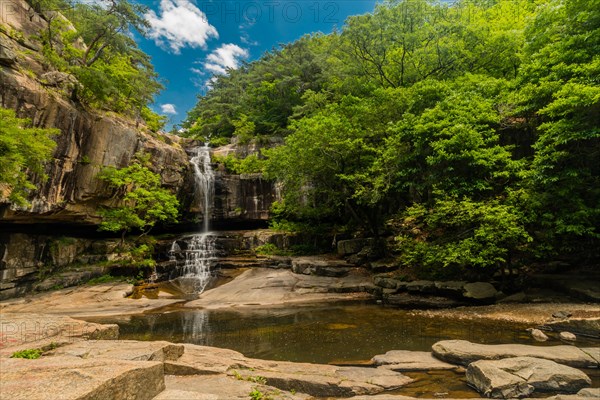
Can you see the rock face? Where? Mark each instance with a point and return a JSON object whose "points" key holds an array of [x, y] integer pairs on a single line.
{"points": [[464, 352], [521, 376]]}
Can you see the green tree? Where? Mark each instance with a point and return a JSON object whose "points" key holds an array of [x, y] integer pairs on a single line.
{"points": [[559, 97], [23, 151], [142, 201]]}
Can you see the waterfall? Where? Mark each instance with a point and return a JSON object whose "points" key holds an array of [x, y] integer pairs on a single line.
{"points": [[205, 182], [200, 253], [199, 257]]}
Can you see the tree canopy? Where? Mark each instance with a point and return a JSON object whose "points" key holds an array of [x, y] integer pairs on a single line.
{"points": [[470, 132]]}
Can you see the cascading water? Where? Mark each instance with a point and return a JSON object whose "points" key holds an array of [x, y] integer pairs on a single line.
{"points": [[201, 253]]}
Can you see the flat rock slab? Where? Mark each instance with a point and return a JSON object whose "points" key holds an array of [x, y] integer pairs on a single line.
{"points": [[324, 380], [86, 301], [130, 350], [521, 376], [404, 360], [21, 331], [267, 287], [218, 387], [204, 360], [65, 378], [464, 352]]}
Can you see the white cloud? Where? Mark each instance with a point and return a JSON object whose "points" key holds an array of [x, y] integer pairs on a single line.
{"points": [[168, 109], [228, 56], [245, 38], [180, 24]]}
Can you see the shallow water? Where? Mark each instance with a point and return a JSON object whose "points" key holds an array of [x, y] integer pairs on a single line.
{"points": [[329, 333], [321, 334]]}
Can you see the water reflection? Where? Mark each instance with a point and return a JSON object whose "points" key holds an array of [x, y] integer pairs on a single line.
{"points": [[322, 334], [194, 327]]}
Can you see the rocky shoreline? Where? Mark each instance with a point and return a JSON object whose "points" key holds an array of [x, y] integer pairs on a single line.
{"points": [[86, 360], [75, 365]]}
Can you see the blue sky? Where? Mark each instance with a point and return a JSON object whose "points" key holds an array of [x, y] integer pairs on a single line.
{"points": [[190, 40]]}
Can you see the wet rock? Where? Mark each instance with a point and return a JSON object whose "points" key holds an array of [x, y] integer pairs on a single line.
{"points": [[521, 376], [450, 288], [352, 246], [519, 297], [464, 352], [424, 287], [561, 314], [66, 378], [568, 336], [538, 335], [480, 291], [404, 360], [417, 301], [385, 282], [580, 326]]}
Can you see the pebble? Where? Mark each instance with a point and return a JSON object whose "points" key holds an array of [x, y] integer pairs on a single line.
{"points": [[538, 335], [568, 336]]}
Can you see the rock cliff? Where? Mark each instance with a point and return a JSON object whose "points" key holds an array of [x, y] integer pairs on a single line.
{"points": [[91, 139]]}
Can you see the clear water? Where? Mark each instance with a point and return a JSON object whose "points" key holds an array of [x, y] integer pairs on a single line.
{"points": [[321, 334], [330, 333]]}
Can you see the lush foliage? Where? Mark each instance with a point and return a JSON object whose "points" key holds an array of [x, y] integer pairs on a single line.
{"points": [[23, 150], [470, 132], [95, 43], [142, 202]]}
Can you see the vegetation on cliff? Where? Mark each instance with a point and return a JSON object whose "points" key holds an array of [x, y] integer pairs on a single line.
{"points": [[23, 151], [96, 45], [468, 132]]}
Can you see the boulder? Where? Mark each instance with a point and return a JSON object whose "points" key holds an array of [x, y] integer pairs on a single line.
{"points": [[352, 246], [521, 376], [404, 360], [385, 282], [450, 288], [65, 378], [480, 291], [464, 352]]}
